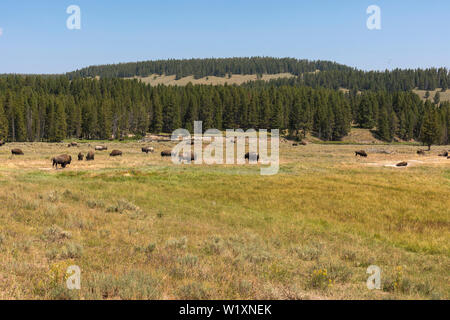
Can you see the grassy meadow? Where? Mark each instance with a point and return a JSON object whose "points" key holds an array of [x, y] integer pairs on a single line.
{"points": [[141, 227]]}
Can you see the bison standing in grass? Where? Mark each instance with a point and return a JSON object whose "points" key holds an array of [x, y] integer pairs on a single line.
{"points": [[187, 156], [17, 152], [62, 160], [2, 143], [421, 152], [80, 156], [443, 154], [148, 149], [402, 164], [115, 153], [251, 156], [166, 153], [361, 153], [90, 156]]}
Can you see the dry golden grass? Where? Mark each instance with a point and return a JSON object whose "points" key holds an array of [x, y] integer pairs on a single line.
{"points": [[445, 96], [141, 227], [237, 79]]}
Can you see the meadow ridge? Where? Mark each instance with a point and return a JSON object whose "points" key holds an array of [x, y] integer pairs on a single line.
{"points": [[141, 227]]}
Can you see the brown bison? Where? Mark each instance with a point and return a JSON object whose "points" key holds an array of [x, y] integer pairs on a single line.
{"points": [[90, 156], [251, 156], [72, 144], [101, 148], [361, 153], [2, 143], [443, 154], [166, 153], [303, 143], [148, 149], [115, 153], [421, 152], [295, 144], [80, 156], [62, 160], [17, 152], [187, 156], [402, 164]]}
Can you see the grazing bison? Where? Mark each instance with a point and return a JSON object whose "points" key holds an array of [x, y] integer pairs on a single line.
{"points": [[402, 164], [90, 156], [2, 143], [443, 154], [166, 153], [295, 144], [80, 156], [421, 152], [251, 156], [303, 143], [72, 144], [17, 152], [187, 156], [115, 153], [361, 153], [101, 148], [62, 160], [148, 149]]}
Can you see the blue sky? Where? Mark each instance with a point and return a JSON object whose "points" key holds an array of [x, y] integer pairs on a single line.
{"points": [[35, 38]]}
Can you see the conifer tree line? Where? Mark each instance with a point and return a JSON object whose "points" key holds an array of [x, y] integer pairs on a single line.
{"points": [[200, 68], [310, 73], [36, 108]]}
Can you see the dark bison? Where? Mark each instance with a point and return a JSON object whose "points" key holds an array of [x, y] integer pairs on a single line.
{"points": [[166, 153], [187, 156], [443, 154], [402, 164], [295, 144], [251, 156], [62, 160], [303, 143], [17, 152], [115, 153], [90, 156], [421, 152], [101, 148], [72, 144], [148, 149], [2, 143], [361, 153], [80, 156]]}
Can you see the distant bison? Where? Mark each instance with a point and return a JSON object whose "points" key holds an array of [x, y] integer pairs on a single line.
{"points": [[62, 160], [101, 148], [115, 153], [2, 143], [148, 149], [421, 152], [80, 156], [187, 156], [361, 153], [166, 153], [402, 164], [90, 156], [303, 143], [443, 154], [251, 156], [295, 144], [17, 152], [72, 144]]}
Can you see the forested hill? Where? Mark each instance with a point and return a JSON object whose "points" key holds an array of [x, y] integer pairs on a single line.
{"points": [[316, 74], [199, 68]]}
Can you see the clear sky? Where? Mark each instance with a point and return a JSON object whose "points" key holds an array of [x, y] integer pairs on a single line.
{"points": [[34, 37]]}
